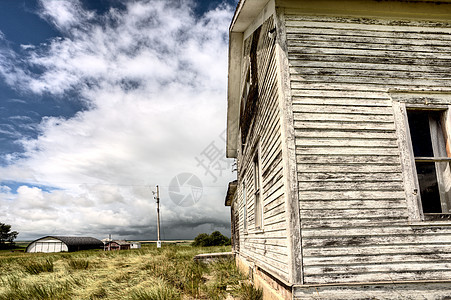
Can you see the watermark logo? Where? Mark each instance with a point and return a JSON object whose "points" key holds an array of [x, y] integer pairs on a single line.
{"points": [[213, 159], [185, 189]]}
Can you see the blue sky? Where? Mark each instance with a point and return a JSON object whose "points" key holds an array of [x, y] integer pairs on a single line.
{"points": [[102, 100]]}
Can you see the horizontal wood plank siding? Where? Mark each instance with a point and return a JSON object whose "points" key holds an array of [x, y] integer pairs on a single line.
{"points": [[268, 248], [353, 209]]}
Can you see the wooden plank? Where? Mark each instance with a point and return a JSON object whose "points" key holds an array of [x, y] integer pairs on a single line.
{"points": [[388, 291], [304, 18], [277, 211], [262, 252], [363, 168], [349, 159], [289, 156], [391, 60], [268, 234], [363, 36], [275, 224], [329, 92], [346, 204], [346, 142], [363, 250], [282, 241], [346, 150], [364, 213], [275, 260], [401, 258], [371, 80], [369, 72], [280, 252], [364, 231], [367, 43], [271, 186], [373, 53], [383, 231], [376, 240], [443, 32], [351, 185], [344, 109], [268, 261], [343, 125], [298, 116], [424, 98], [349, 177], [325, 65], [351, 195], [349, 102], [380, 276], [354, 222], [274, 196], [386, 268]]}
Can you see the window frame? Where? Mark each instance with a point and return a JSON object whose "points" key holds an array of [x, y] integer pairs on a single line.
{"points": [[258, 190], [411, 182], [439, 156], [243, 185]]}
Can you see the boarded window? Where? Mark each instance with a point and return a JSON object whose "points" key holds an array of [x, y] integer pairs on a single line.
{"points": [[432, 160]]}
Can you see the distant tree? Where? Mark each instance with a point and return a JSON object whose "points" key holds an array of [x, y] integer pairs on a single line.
{"points": [[201, 240], [7, 236], [217, 239], [214, 239]]}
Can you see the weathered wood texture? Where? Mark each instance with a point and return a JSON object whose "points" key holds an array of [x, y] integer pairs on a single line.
{"points": [[353, 209], [417, 290], [268, 247]]}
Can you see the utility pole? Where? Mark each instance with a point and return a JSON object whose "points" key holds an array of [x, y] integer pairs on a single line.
{"points": [[158, 218]]}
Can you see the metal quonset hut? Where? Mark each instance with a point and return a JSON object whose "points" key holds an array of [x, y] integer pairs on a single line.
{"points": [[64, 244]]}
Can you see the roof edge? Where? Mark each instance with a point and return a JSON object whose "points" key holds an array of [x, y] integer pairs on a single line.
{"points": [[231, 190], [233, 93], [245, 14]]}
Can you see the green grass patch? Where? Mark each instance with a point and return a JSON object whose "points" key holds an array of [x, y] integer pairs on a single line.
{"points": [[78, 264], [39, 266], [247, 291], [146, 273], [160, 291]]}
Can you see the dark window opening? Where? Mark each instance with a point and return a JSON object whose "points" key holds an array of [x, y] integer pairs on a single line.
{"points": [[432, 162], [258, 209], [427, 178]]}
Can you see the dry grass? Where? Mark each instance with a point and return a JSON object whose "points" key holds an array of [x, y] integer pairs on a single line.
{"points": [[147, 273]]}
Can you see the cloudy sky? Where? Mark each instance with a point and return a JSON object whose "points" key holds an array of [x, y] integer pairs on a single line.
{"points": [[99, 103]]}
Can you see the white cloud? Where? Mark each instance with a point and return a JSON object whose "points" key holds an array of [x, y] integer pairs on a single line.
{"points": [[64, 14], [26, 47], [154, 78], [5, 189]]}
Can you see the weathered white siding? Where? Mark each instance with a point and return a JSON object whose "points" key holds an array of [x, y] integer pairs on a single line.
{"points": [[353, 208], [396, 290], [267, 247]]}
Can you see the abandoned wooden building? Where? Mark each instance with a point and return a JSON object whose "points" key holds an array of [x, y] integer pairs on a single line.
{"points": [[49, 244], [116, 245], [338, 116]]}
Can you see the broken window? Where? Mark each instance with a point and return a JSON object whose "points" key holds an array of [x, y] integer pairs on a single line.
{"points": [[249, 100], [432, 159]]}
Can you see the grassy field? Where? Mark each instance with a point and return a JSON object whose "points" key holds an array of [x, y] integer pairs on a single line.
{"points": [[146, 273]]}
